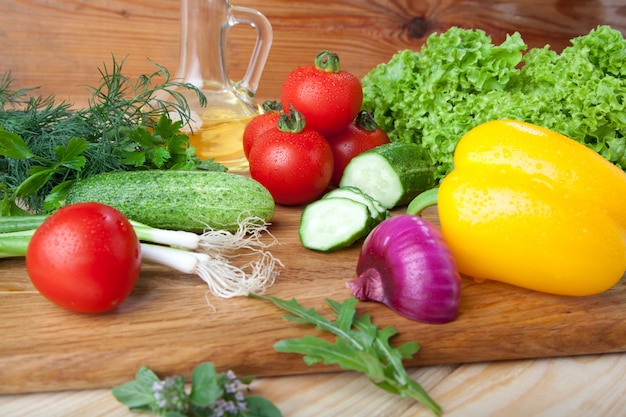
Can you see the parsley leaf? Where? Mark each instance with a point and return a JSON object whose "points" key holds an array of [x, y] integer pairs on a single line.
{"points": [[13, 146], [359, 346], [68, 159]]}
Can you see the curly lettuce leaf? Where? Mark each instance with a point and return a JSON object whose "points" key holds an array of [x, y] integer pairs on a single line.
{"points": [[460, 79]]}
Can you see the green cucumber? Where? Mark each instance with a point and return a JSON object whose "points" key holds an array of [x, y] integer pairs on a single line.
{"points": [[333, 223], [178, 200], [377, 211], [393, 173]]}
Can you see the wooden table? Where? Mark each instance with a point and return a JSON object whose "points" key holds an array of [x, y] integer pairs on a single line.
{"points": [[58, 45], [590, 386], [84, 356]]}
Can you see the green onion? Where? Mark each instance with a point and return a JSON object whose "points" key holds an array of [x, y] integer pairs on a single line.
{"points": [[208, 255], [14, 244], [175, 238]]}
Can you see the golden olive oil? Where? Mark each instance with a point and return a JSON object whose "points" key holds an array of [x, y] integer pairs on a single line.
{"points": [[221, 138]]}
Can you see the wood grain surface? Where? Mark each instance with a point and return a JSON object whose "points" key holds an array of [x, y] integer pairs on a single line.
{"points": [[59, 45], [590, 386], [582, 386], [168, 325]]}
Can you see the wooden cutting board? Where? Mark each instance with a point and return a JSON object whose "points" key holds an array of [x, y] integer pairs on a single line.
{"points": [[167, 324]]}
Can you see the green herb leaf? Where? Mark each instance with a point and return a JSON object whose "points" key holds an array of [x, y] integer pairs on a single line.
{"points": [[137, 394], [164, 147], [13, 146], [70, 155], [260, 407], [8, 206], [125, 126], [359, 346], [133, 157], [209, 164], [57, 195], [159, 156], [39, 176], [211, 394], [205, 388]]}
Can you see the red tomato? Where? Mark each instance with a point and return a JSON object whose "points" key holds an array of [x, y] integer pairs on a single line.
{"points": [[264, 121], [360, 136], [256, 127], [85, 257], [328, 98], [294, 167]]}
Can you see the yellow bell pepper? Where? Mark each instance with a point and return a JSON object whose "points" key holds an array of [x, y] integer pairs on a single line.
{"points": [[530, 207]]}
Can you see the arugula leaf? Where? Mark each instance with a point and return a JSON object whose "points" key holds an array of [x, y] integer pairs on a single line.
{"points": [[359, 346]]}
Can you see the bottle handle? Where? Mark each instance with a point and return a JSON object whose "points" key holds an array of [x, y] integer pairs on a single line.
{"points": [[254, 18]]}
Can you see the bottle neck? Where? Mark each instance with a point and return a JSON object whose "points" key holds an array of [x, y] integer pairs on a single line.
{"points": [[204, 24]]}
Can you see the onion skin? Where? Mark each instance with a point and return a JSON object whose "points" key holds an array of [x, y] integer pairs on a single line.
{"points": [[405, 264]]}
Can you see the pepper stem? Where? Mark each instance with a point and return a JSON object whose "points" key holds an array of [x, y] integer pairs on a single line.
{"points": [[422, 201], [327, 61]]}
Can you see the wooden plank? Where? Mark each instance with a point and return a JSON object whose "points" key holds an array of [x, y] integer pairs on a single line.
{"points": [[60, 45], [512, 388], [167, 324]]}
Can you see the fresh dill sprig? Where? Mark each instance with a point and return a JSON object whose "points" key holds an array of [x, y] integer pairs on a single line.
{"points": [[126, 126], [118, 101], [7, 95]]}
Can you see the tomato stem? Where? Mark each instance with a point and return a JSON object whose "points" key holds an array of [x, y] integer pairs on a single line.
{"points": [[270, 106], [327, 61], [291, 122], [365, 120]]}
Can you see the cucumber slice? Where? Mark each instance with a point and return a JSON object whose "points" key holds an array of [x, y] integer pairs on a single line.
{"points": [[384, 212], [377, 211], [393, 173], [381, 209], [334, 223]]}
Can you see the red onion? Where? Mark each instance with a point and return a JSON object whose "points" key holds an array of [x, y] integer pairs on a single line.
{"points": [[405, 264]]}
